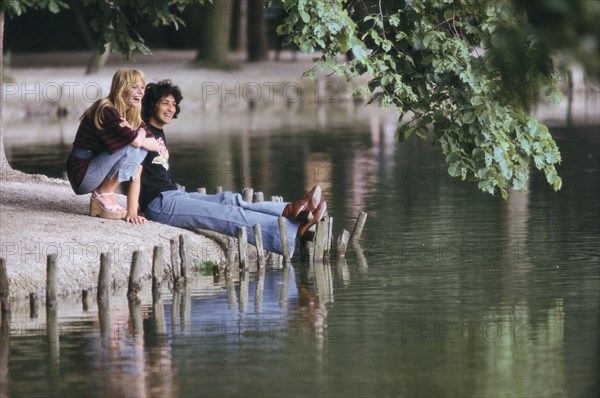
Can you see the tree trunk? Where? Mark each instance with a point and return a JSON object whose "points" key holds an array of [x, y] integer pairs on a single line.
{"points": [[213, 46], [239, 22], [258, 43], [98, 61], [4, 166]]}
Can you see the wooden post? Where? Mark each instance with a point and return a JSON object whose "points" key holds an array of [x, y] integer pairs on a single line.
{"points": [[244, 288], [216, 273], [219, 189], [136, 320], [176, 310], [103, 299], [158, 310], [104, 280], [243, 248], [320, 237], [358, 226], [186, 310], [260, 288], [284, 241], [157, 268], [247, 194], [360, 257], [328, 238], [84, 300], [284, 287], [230, 257], [201, 191], [260, 250], [231, 297], [52, 333], [175, 260], [51, 296], [259, 197], [305, 246], [135, 286], [342, 243], [33, 305], [4, 292], [184, 255]]}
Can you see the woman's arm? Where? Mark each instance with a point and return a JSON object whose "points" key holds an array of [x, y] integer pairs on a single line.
{"points": [[133, 199], [142, 141]]}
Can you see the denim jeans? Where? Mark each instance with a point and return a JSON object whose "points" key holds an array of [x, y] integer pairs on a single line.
{"points": [[223, 213], [125, 161]]}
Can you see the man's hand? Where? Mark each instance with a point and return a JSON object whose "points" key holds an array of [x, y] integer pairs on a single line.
{"points": [[135, 219]]}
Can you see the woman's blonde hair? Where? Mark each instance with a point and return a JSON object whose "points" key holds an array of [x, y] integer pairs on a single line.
{"points": [[121, 81]]}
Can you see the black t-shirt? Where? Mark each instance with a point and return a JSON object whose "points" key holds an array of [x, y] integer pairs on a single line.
{"points": [[156, 177]]}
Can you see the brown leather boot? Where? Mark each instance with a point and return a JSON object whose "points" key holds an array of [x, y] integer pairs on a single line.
{"points": [[301, 209], [318, 214]]}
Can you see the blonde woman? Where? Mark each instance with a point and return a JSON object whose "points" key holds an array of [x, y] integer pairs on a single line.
{"points": [[110, 144]]}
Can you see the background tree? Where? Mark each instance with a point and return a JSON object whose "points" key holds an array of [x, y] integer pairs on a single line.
{"points": [[461, 71], [258, 42], [215, 30]]}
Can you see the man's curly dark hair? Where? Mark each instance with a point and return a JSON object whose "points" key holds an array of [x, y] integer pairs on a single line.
{"points": [[154, 92]]}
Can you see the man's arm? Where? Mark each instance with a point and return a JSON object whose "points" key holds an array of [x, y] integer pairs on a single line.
{"points": [[133, 199]]}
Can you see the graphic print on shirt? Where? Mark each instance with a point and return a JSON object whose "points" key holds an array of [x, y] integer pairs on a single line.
{"points": [[163, 155]]}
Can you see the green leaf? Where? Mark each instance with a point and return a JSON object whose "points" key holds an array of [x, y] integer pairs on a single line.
{"points": [[454, 169]]}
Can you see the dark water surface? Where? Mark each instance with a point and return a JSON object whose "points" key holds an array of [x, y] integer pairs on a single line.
{"points": [[451, 292]]}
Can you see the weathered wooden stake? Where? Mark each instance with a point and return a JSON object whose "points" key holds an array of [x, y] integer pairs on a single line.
{"points": [[186, 310], [260, 250], [244, 289], [305, 246], [284, 287], [184, 255], [84, 300], [201, 191], [33, 305], [175, 260], [328, 238], [284, 241], [231, 296], [51, 295], [4, 292], [104, 280], [176, 309], [320, 237], [358, 227], [158, 267], [342, 243], [135, 271], [158, 311], [216, 273], [231, 251], [219, 189], [243, 248], [247, 194], [259, 197], [260, 288]]}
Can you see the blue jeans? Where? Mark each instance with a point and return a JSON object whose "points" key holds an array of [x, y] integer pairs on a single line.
{"points": [[125, 161], [223, 213]]}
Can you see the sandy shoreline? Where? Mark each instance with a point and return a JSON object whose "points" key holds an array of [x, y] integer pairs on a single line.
{"points": [[44, 216]]}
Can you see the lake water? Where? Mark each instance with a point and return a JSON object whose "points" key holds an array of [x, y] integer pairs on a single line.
{"points": [[451, 292]]}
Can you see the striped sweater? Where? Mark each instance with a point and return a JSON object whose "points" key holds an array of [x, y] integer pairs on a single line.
{"points": [[115, 135]]}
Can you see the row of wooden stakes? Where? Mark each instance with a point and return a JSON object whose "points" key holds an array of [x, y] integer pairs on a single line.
{"points": [[180, 259]]}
